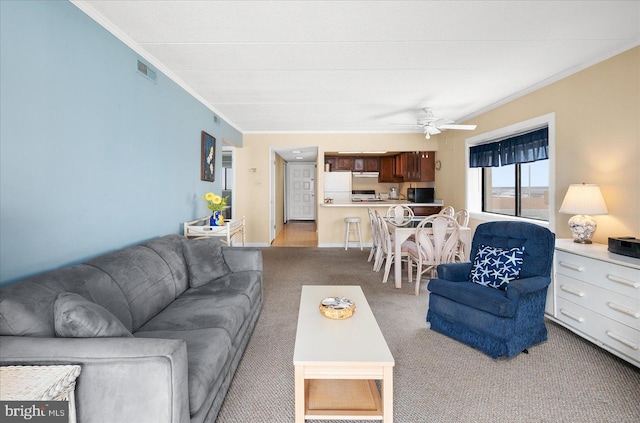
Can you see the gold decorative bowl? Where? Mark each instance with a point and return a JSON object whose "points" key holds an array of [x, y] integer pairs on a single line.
{"points": [[337, 307]]}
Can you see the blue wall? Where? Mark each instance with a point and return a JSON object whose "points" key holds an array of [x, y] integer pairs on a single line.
{"points": [[93, 156]]}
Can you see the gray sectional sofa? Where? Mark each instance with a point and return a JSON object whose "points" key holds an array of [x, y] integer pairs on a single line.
{"points": [[158, 328]]}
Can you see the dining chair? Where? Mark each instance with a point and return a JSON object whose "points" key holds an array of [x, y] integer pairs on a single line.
{"points": [[387, 252], [447, 211], [376, 251], [462, 217], [400, 215], [435, 243]]}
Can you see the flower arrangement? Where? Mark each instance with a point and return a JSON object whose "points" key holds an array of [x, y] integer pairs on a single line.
{"points": [[215, 202]]}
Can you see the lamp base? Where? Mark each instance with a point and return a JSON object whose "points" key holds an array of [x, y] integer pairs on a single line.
{"points": [[582, 227]]}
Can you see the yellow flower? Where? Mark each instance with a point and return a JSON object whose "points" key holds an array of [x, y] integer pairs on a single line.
{"points": [[215, 202]]}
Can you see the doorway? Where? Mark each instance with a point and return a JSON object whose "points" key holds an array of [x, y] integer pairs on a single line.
{"points": [[293, 197]]}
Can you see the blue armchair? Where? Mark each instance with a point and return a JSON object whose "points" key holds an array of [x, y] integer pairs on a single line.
{"points": [[495, 321]]}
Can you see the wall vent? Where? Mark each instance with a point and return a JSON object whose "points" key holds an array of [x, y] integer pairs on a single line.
{"points": [[216, 119], [146, 71]]}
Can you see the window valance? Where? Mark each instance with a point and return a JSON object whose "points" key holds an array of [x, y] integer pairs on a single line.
{"points": [[524, 148]]}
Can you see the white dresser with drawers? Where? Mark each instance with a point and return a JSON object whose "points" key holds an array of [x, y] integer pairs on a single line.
{"points": [[596, 294]]}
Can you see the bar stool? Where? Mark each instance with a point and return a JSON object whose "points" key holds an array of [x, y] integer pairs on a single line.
{"points": [[349, 230]]}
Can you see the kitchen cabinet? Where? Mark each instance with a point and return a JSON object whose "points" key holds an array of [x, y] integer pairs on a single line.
{"points": [[387, 172], [371, 164], [331, 161], [428, 167], [344, 163], [426, 211]]}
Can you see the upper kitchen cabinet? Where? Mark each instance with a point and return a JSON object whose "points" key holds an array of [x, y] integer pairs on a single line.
{"points": [[387, 172], [366, 164], [415, 166]]}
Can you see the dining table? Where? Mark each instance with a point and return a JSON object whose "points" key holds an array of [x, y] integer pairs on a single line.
{"points": [[401, 233]]}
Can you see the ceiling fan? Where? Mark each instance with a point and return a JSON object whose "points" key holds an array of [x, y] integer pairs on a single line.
{"points": [[432, 125]]}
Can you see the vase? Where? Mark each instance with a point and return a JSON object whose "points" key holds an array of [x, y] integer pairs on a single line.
{"points": [[216, 219]]}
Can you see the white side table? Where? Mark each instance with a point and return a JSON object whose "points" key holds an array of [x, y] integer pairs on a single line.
{"points": [[198, 228], [40, 383]]}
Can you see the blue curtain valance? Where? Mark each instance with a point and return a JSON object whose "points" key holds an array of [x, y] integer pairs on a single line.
{"points": [[524, 148]]}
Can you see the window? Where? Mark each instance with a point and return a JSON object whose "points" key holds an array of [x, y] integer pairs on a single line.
{"points": [[512, 180], [517, 190]]}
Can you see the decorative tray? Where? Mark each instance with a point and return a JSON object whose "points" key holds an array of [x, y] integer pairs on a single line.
{"points": [[337, 307]]}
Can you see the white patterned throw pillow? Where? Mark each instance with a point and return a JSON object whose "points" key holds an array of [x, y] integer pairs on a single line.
{"points": [[495, 267]]}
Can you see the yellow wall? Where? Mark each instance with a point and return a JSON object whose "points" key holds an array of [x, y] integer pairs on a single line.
{"points": [[597, 117], [597, 141]]}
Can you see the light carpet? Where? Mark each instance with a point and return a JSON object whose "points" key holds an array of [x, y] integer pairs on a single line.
{"points": [[436, 379]]}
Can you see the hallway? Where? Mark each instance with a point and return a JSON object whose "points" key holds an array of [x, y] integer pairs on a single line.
{"points": [[297, 234]]}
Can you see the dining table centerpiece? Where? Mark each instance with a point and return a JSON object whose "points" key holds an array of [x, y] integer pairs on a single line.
{"points": [[216, 204]]}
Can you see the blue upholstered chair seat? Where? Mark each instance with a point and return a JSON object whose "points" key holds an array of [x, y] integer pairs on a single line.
{"points": [[476, 296], [499, 323]]}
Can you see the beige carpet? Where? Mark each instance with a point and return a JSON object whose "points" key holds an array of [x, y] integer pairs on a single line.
{"points": [[436, 379]]}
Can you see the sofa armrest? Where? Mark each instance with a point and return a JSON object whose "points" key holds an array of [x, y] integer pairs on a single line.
{"points": [[520, 287], [454, 272], [243, 258], [122, 379]]}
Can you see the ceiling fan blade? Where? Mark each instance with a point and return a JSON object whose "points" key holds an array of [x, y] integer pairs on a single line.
{"points": [[463, 127]]}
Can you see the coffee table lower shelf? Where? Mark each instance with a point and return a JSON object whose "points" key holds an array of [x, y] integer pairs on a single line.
{"points": [[342, 399]]}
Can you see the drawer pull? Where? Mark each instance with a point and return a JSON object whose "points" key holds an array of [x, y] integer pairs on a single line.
{"points": [[623, 281], [635, 314], [572, 316], [572, 291], [572, 266], [619, 338]]}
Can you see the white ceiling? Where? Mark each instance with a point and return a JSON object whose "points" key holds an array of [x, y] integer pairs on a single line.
{"points": [[365, 66]]}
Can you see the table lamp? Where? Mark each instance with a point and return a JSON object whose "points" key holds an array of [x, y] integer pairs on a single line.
{"points": [[583, 200]]}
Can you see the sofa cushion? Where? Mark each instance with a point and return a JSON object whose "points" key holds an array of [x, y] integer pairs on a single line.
{"points": [[495, 267], [480, 297], [144, 278], [208, 352], [247, 283], [26, 307], [204, 260], [223, 311], [169, 247], [77, 317]]}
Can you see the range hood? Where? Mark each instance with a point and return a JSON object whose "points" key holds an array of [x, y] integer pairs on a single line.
{"points": [[365, 174]]}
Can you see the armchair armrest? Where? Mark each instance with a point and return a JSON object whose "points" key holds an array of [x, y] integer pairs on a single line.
{"points": [[123, 379], [520, 287], [454, 272], [243, 258]]}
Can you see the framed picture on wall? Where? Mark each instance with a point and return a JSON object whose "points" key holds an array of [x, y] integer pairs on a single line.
{"points": [[208, 158]]}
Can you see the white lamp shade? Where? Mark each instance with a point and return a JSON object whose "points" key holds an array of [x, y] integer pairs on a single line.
{"points": [[583, 199]]}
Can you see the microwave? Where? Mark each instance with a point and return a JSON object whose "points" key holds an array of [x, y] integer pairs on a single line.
{"points": [[421, 195]]}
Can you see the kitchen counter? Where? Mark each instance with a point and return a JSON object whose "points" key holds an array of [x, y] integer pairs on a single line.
{"points": [[383, 203]]}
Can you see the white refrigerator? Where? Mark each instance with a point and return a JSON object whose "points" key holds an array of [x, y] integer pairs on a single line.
{"points": [[337, 186]]}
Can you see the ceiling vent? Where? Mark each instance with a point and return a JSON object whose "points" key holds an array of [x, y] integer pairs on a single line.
{"points": [[146, 71]]}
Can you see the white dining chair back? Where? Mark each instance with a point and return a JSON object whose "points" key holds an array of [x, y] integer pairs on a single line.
{"points": [[462, 217], [386, 247], [376, 250], [400, 215], [436, 243], [447, 211]]}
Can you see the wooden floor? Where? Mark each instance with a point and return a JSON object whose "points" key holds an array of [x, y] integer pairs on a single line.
{"points": [[301, 233]]}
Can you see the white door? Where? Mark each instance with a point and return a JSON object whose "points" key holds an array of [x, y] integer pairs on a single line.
{"points": [[301, 191]]}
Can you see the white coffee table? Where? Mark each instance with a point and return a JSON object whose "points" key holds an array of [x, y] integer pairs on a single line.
{"points": [[338, 361]]}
